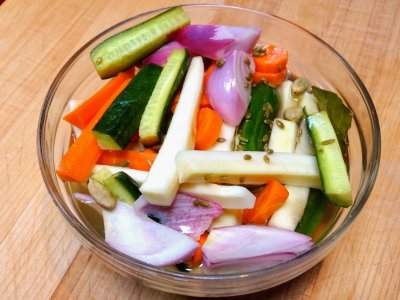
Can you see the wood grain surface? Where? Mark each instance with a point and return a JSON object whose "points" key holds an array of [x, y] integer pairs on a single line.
{"points": [[40, 258]]}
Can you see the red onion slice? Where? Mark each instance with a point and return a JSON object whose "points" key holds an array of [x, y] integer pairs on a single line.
{"points": [[251, 247], [136, 235], [229, 86], [215, 41], [160, 57], [187, 214]]}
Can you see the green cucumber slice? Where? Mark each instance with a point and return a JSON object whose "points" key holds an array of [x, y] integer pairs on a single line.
{"points": [[334, 178], [163, 93], [122, 187], [254, 131], [121, 121], [123, 50]]}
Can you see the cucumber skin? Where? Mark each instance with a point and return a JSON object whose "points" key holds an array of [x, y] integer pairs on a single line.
{"points": [[313, 213], [333, 171], [254, 128], [122, 50], [121, 120], [119, 181], [161, 120]]}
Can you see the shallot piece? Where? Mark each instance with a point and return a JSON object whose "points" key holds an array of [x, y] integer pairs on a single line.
{"points": [[251, 247], [189, 215], [136, 235], [229, 86], [160, 57], [215, 41]]}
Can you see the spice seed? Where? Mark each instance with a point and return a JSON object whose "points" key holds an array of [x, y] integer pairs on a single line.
{"points": [[266, 159], [269, 151], [265, 138], [249, 76], [220, 63], [246, 85], [242, 179], [247, 156], [221, 140], [243, 139], [247, 115], [280, 124], [327, 142]]}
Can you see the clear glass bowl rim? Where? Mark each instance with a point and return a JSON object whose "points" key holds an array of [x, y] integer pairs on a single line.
{"points": [[99, 244]]}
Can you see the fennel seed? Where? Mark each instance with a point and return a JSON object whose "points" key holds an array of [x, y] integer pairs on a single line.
{"points": [[249, 76], [247, 61], [221, 140], [247, 116], [280, 124], [266, 159], [242, 179], [220, 63], [243, 139], [247, 157], [201, 203], [246, 85], [327, 142], [265, 138]]}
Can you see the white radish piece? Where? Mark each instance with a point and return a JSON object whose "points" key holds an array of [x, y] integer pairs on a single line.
{"points": [[228, 196], [161, 184], [247, 167], [139, 237]]}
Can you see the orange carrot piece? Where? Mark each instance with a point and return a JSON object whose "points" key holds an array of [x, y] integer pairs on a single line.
{"points": [[81, 116], [128, 158], [273, 78], [204, 101], [208, 73], [268, 200], [81, 157], [208, 127], [175, 102], [197, 257], [273, 61]]}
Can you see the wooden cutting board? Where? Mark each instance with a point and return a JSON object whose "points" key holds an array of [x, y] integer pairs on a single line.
{"points": [[41, 258]]}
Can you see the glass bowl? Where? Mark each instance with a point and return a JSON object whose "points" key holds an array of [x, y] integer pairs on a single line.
{"points": [[309, 57]]}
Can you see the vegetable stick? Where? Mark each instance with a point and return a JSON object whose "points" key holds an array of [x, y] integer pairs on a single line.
{"points": [[204, 101], [133, 159], [175, 102], [272, 78], [78, 162], [273, 61], [271, 197], [208, 127], [162, 184], [81, 116], [197, 257], [210, 69]]}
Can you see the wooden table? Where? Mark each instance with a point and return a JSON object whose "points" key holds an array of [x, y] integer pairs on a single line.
{"points": [[39, 255]]}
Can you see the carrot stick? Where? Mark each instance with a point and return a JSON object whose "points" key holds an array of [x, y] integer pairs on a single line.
{"points": [[83, 154], [208, 73], [81, 116], [204, 101], [208, 127], [268, 200], [273, 61], [175, 102], [129, 158], [273, 78], [197, 257]]}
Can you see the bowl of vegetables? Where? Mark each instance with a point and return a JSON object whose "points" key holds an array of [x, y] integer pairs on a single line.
{"points": [[208, 155]]}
